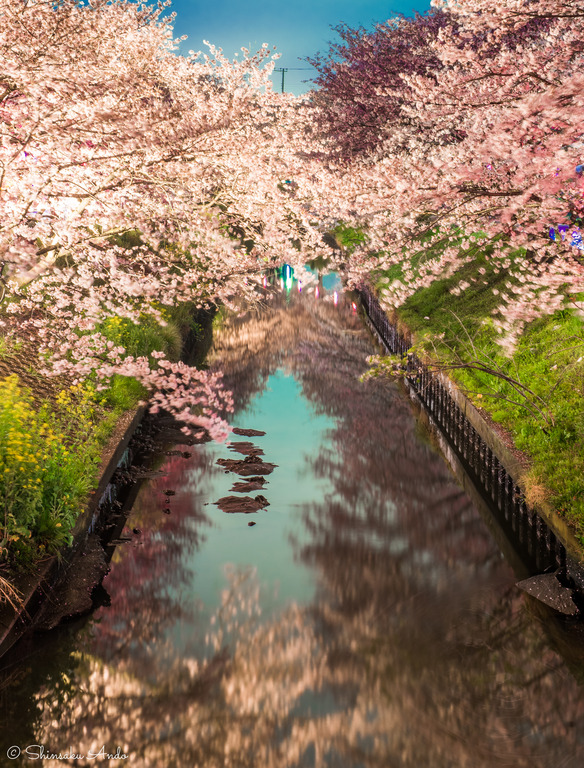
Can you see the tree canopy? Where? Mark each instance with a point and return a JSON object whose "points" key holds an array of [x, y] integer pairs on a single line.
{"points": [[132, 178]]}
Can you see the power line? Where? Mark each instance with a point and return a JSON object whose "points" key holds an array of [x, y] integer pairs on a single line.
{"points": [[283, 70]]}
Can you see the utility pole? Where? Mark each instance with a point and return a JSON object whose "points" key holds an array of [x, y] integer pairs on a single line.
{"points": [[283, 70]]}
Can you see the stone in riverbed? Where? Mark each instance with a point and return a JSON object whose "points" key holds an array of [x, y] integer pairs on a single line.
{"points": [[253, 484], [242, 504], [246, 448], [251, 465], [547, 589], [248, 432]]}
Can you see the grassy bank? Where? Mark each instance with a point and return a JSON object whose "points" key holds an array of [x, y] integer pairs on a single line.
{"points": [[53, 433], [535, 394]]}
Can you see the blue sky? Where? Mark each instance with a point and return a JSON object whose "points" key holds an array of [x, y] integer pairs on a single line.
{"points": [[298, 28]]}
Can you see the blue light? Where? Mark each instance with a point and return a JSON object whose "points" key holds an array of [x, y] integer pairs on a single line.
{"points": [[577, 240]]}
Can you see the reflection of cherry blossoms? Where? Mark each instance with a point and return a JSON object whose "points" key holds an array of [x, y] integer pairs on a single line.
{"points": [[323, 687], [224, 711], [151, 571], [416, 651]]}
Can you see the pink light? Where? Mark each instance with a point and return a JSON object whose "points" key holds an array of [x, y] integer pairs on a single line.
{"points": [[336, 298], [282, 283], [299, 287], [265, 281], [354, 307], [316, 292]]}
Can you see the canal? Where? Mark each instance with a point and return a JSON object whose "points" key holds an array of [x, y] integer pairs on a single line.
{"points": [[355, 611]]}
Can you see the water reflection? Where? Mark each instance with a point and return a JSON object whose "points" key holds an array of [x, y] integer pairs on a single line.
{"points": [[396, 638]]}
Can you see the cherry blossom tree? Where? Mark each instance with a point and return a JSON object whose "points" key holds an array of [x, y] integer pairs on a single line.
{"points": [[493, 131], [132, 178], [361, 91]]}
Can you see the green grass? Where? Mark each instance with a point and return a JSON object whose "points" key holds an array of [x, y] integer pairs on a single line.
{"points": [[141, 339], [9, 346], [50, 450], [122, 394], [348, 237], [138, 340], [546, 416], [182, 317]]}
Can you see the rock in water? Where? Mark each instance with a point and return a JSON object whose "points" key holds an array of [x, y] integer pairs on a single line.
{"points": [[253, 484], [242, 504], [251, 465], [248, 432], [246, 448]]}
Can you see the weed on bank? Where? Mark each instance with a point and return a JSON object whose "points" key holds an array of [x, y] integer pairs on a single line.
{"points": [[536, 394]]}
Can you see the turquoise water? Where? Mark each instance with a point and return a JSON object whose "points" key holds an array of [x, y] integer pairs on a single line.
{"points": [[282, 412]]}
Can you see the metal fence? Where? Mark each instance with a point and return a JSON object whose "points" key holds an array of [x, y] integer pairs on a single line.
{"points": [[534, 540]]}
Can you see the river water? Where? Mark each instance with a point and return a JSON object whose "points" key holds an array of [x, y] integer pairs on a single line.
{"points": [[367, 618]]}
